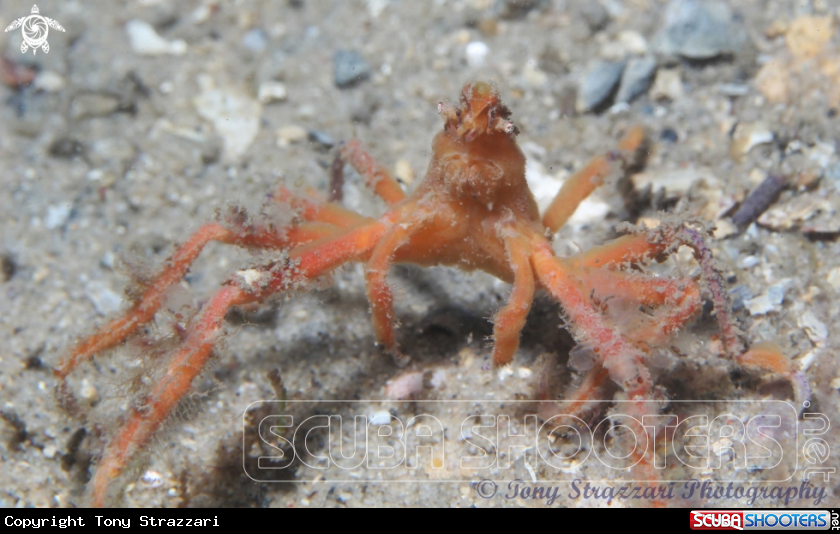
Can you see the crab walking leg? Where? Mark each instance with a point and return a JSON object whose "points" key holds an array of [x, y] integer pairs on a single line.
{"points": [[305, 263], [581, 184], [716, 286], [593, 383], [633, 248], [647, 290], [379, 292], [623, 361], [510, 319], [153, 298], [664, 324], [769, 357], [679, 301], [376, 176], [325, 212]]}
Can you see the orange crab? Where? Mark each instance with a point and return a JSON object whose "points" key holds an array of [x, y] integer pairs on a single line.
{"points": [[473, 210]]}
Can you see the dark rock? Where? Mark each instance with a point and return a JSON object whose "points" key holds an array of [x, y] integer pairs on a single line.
{"points": [[598, 84], [8, 267], [669, 135], [637, 78], [516, 9], [66, 147], [323, 139], [350, 68], [700, 29], [595, 15]]}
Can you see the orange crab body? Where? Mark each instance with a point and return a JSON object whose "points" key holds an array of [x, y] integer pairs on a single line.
{"points": [[474, 211]]}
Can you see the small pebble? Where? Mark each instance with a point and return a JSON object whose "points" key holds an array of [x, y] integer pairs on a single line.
{"points": [[403, 172], [87, 105], [49, 81], [380, 418], [476, 53], [288, 135], [807, 36], [104, 300], [724, 229], [58, 215], [748, 136], [151, 479], [235, 117], [376, 7], [739, 294], [822, 153], [772, 82], [669, 135], [108, 260], [770, 300], [272, 92], [700, 29], [598, 84], [777, 28], [49, 451], [533, 76], [733, 89], [637, 78], [88, 391], [405, 386], [594, 15], [834, 278], [40, 274], [145, 41], [516, 9], [676, 182], [667, 85], [633, 42], [814, 328], [350, 68], [255, 40], [488, 27], [722, 446], [323, 139]]}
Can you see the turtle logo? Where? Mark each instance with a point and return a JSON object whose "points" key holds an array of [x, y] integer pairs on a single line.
{"points": [[35, 31]]}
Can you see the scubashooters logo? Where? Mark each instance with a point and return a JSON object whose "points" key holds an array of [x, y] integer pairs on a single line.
{"points": [[35, 30], [759, 519]]}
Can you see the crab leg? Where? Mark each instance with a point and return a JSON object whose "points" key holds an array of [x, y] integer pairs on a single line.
{"points": [[305, 263], [633, 248], [379, 292], [510, 319], [153, 298], [586, 180], [376, 176], [663, 325], [325, 212], [769, 357], [623, 360]]}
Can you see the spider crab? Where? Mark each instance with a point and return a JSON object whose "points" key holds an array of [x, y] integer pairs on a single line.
{"points": [[474, 211]]}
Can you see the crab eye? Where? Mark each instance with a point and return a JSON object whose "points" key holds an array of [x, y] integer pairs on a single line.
{"points": [[440, 108], [509, 127]]}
